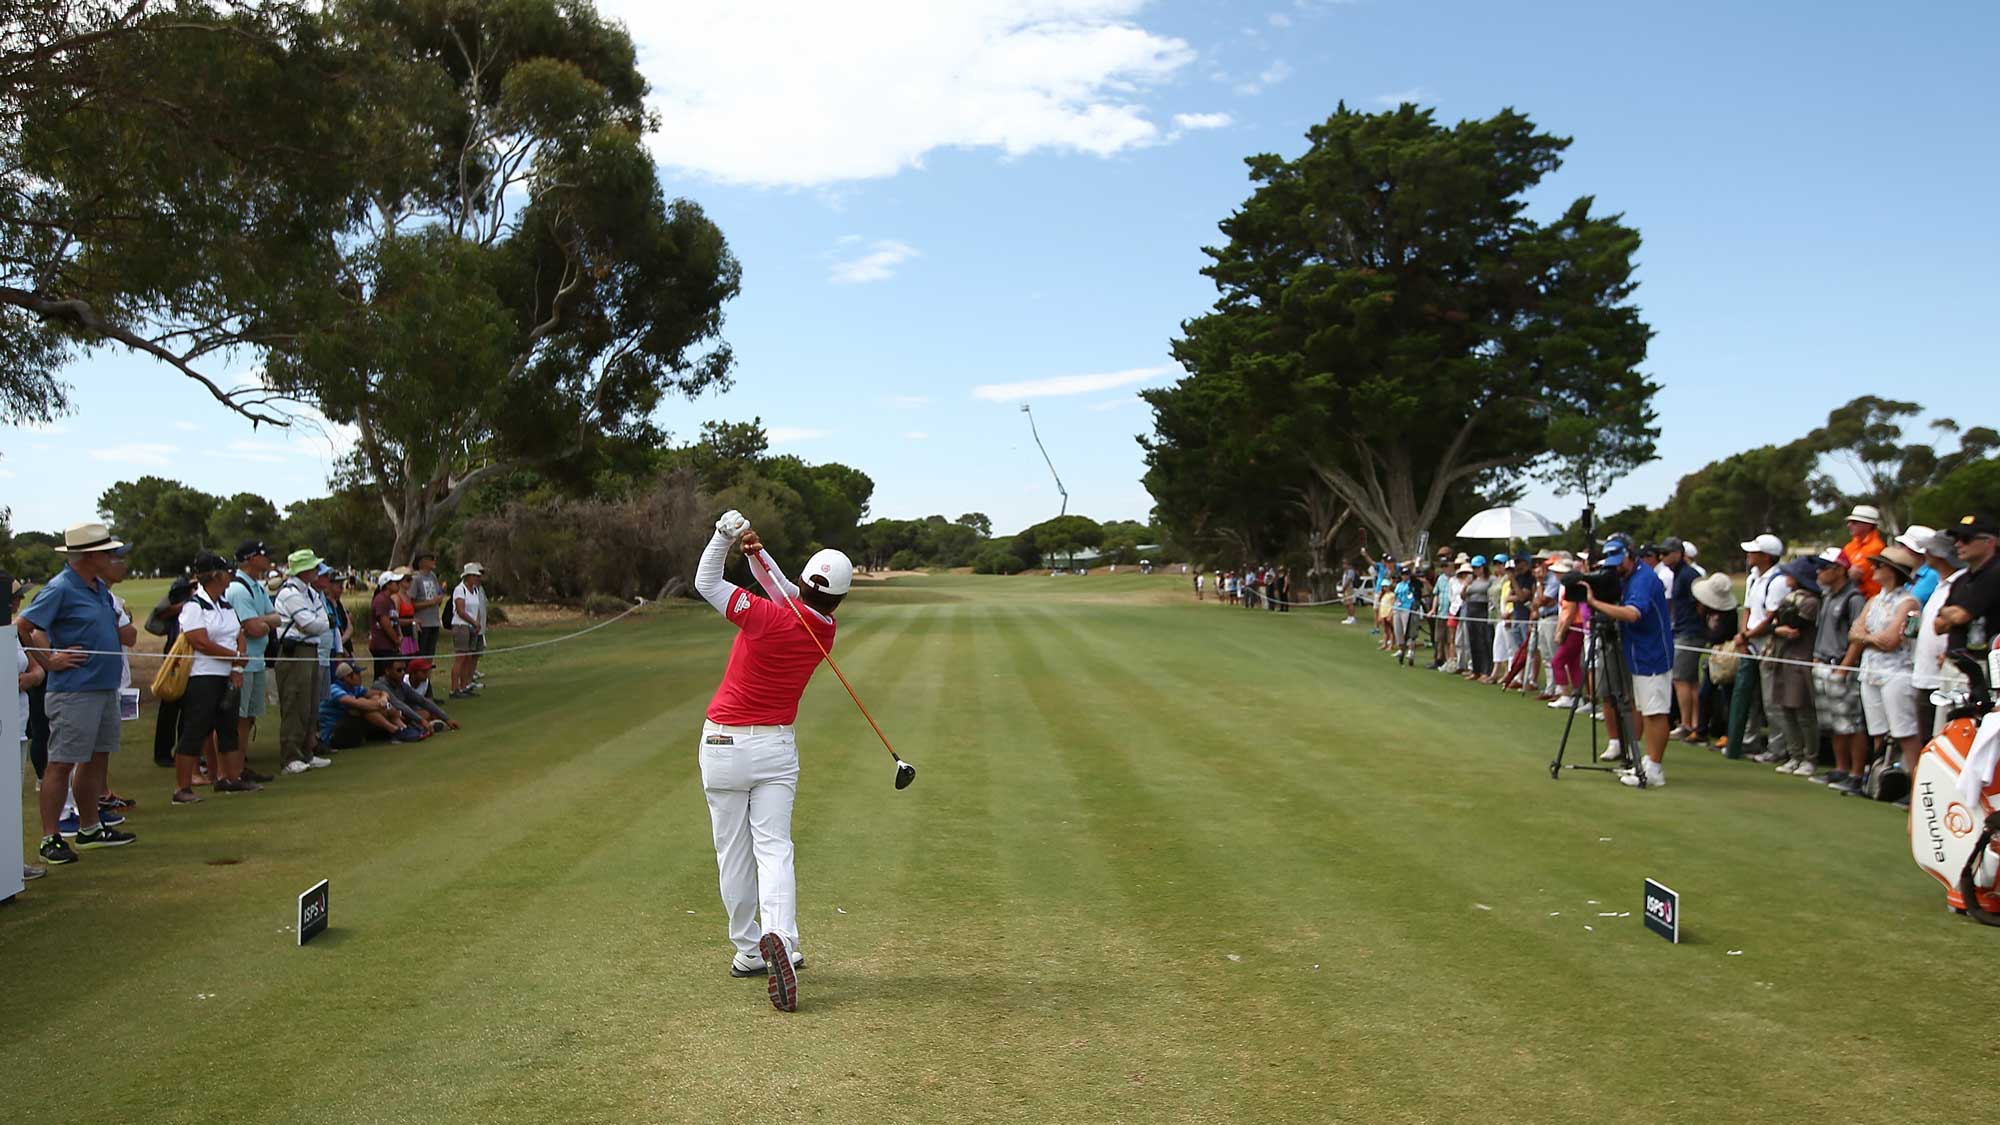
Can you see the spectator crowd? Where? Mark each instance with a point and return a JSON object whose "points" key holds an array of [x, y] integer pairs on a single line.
{"points": [[1825, 666], [243, 637]]}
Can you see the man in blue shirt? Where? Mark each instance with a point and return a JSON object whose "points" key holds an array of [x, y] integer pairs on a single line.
{"points": [[74, 618], [1646, 634]]}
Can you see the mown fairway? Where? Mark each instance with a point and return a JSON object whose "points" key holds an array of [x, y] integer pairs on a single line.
{"points": [[1162, 862]]}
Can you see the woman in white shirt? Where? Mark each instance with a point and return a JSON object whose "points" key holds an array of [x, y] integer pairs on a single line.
{"points": [[209, 707], [1888, 650], [468, 629]]}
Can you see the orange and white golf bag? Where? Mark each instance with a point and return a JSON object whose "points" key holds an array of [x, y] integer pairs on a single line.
{"points": [[1955, 806]]}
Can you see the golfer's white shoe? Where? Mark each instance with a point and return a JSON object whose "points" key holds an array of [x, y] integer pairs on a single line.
{"points": [[781, 982], [753, 965], [1613, 751], [1561, 703]]}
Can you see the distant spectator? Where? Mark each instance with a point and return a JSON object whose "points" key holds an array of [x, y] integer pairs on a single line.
{"points": [[216, 636], [1689, 637], [402, 684], [1749, 708], [1547, 606], [1720, 624], [1888, 653], [165, 621], [28, 674], [1479, 626], [252, 605], [1927, 655], [302, 621], [1864, 542], [1916, 538], [427, 596], [1789, 697], [1694, 553], [1566, 665], [385, 629], [74, 620], [406, 613], [1836, 655], [468, 629], [342, 624], [352, 714]]}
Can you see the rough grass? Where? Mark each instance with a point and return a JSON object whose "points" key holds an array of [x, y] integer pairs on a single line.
{"points": [[1162, 862]]}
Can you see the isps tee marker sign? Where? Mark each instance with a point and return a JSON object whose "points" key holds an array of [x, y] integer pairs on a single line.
{"points": [[1663, 911]]}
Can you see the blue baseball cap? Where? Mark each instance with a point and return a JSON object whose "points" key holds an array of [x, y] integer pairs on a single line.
{"points": [[1479, 560], [1614, 552]]}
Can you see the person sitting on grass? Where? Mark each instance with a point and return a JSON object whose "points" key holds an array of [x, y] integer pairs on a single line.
{"points": [[352, 714], [402, 684]]}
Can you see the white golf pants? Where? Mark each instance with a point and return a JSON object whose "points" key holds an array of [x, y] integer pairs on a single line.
{"points": [[750, 776]]}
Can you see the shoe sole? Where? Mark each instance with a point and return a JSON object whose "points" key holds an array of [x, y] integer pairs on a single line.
{"points": [[81, 844], [783, 983], [55, 861]]}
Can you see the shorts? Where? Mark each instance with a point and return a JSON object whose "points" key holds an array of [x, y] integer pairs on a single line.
{"points": [[1687, 660], [1837, 698], [252, 702], [1653, 695], [465, 642], [81, 724], [1889, 704]]}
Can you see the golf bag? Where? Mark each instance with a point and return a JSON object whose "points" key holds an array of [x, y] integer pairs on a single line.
{"points": [[1952, 833]]}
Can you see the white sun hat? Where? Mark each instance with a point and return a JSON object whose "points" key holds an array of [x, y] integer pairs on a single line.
{"points": [[1866, 513], [829, 571]]}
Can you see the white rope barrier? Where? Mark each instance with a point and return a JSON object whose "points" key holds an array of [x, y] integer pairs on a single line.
{"points": [[546, 642]]}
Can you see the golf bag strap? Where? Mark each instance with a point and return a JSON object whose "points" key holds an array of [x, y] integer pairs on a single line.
{"points": [[1968, 888]]}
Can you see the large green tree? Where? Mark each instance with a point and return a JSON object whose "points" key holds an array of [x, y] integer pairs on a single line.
{"points": [[515, 286], [1399, 321], [165, 521], [1866, 437], [166, 184]]}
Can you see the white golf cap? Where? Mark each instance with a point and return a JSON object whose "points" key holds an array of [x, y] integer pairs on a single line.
{"points": [[473, 569], [1688, 546], [1765, 544], [1866, 513], [1917, 537], [386, 577], [829, 571]]}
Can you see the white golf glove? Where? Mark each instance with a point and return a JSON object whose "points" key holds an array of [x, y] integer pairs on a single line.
{"points": [[732, 523]]}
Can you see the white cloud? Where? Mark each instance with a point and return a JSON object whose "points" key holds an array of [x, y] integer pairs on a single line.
{"points": [[806, 93], [1191, 121], [1270, 76], [261, 452], [786, 435], [1280, 19], [878, 264], [916, 435], [1066, 384], [6, 474], [137, 453], [1413, 94], [909, 402], [187, 427]]}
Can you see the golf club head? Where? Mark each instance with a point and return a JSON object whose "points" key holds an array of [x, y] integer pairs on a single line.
{"points": [[905, 773]]}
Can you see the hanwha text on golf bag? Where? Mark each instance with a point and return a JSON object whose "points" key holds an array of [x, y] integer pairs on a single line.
{"points": [[1663, 911]]}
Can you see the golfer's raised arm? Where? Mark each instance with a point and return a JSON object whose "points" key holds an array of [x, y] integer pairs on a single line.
{"points": [[708, 580], [779, 587]]}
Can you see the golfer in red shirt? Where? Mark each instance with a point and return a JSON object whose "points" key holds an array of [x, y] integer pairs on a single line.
{"points": [[749, 759]]}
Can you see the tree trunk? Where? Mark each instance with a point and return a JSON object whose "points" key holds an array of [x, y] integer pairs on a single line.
{"points": [[1322, 528]]}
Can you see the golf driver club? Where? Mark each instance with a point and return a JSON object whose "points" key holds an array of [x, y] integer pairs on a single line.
{"points": [[905, 772]]}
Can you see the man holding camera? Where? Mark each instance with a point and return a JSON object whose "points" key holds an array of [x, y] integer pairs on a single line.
{"points": [[1646, 634]]}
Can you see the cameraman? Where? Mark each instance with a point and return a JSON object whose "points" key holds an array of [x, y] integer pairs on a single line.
{"points": [[1647, 636]]}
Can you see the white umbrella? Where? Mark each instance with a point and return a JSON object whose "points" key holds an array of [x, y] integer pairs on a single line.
{"points": [[1508, 523]]}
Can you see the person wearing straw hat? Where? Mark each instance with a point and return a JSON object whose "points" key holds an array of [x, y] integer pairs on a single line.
{"points": [[1836, 689], [468, 629], [302, 621], [74, 623], [1864, 542], [1716, 597], [1888, 654]]}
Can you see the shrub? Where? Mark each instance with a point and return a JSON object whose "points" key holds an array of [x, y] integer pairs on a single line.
{"points": [[996, 559], [604, 605], [562, 550], [905, 559]]}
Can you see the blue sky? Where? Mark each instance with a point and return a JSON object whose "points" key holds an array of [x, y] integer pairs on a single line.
{"points": [[945, 210]]}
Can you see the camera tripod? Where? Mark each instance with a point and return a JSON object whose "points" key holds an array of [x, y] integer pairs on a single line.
{"points": [[1603, 656]]}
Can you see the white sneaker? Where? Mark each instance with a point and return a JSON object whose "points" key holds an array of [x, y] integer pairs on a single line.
{"points": [[1655, 774], [1805, 769], [1612, 752], [1791, 765], [296, 767], [1561, 703], [320, 763], [1348, 621]]}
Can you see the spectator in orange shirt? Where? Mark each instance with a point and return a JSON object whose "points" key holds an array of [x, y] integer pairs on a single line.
{"points": [[1864, 543]]}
